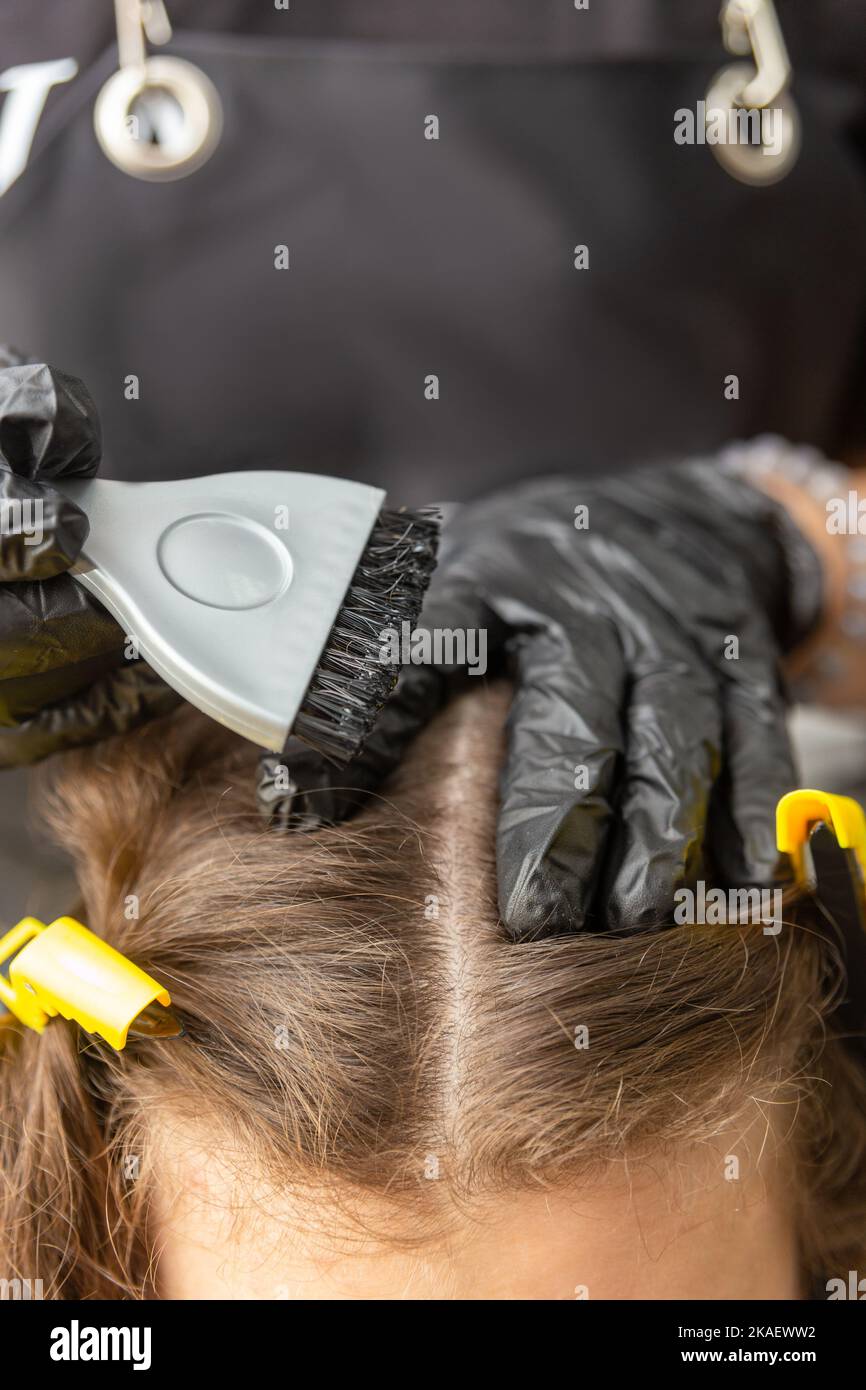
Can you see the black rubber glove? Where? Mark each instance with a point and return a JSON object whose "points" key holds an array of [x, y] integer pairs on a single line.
{"points": [[64, 679], [635, 736]]}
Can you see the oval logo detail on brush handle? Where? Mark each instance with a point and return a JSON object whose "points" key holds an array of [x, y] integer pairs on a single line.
{"points": [[224, 561]]}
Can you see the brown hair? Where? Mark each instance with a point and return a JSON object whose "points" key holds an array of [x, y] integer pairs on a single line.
{"points": [[352, 1007]]}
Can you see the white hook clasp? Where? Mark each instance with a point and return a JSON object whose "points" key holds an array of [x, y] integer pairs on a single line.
{"points": [[155, 118], [137, 20], [752, 27]]}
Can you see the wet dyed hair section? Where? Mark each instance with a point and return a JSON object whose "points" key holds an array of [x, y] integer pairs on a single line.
{"points": [[355, 1012]]}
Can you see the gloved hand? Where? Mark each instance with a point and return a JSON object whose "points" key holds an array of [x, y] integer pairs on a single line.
{"points": [[64, 679], [648, 718]]}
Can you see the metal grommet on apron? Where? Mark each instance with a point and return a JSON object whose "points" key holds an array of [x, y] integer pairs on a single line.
{"points": [[155, 118], [750, 102]]}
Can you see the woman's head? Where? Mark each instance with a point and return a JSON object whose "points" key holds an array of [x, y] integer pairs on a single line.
{"points": [[372, 1071]]}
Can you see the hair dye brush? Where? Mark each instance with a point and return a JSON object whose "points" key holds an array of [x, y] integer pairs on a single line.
{"points": [[261, 597]]}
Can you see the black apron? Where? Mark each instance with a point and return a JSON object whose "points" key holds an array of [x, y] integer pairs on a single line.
{"points": [[411, 258]]}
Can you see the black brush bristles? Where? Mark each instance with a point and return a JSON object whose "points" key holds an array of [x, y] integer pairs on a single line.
{"points": [[352, 681]]}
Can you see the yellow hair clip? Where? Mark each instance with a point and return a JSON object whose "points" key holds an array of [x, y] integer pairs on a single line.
{"points": [[825, 836], [64, 969], [799, 812]]}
